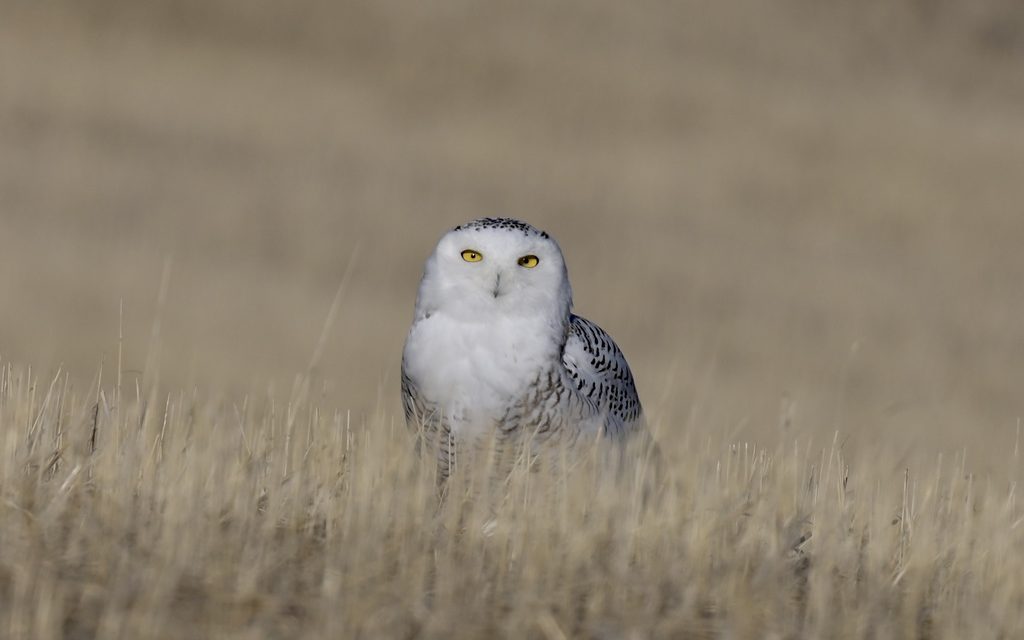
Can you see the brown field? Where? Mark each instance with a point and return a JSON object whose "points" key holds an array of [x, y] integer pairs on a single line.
{"points": [[801, 222]]}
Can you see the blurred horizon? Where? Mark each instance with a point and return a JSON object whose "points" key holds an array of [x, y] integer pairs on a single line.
{"points": [[795, 219]]}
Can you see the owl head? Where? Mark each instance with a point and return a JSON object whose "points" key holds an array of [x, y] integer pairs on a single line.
{"points": [[496, 267]]}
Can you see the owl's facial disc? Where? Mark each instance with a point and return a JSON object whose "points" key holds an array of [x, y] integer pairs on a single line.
{"points": [[503, 266], [497, 269]]}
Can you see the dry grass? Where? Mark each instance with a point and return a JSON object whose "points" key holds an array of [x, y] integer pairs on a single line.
{"points": [[180, 516], [799, 219]]}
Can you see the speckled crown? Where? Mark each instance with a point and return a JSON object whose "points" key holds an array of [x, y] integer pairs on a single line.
{"points": [[505, 224]]}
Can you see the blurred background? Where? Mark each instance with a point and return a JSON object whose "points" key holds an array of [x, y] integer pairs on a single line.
{"points": [[797, 217]]}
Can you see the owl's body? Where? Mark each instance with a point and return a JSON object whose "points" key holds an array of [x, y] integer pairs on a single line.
{"points": [[495, 354]]}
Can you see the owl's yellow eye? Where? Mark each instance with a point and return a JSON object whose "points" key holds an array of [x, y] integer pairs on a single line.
{"points": [[472, 256], [529, 261]]}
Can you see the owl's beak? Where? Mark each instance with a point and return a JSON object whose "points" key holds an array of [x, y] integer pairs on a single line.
{"points": [[497, 285]]}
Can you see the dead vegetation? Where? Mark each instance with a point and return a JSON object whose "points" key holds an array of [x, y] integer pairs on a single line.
{"points": [[133, 514]]}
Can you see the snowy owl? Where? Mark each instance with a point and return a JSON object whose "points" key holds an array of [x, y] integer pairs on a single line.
{"points": [[495, 352]]}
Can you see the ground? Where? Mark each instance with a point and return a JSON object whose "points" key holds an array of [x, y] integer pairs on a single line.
{"points": [[800, 221]]}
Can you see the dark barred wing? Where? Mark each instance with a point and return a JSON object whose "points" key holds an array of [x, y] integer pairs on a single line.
{"points": [[601, 376]]}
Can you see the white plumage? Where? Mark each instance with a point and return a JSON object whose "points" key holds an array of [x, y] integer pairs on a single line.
{"points": [[495, 352]]}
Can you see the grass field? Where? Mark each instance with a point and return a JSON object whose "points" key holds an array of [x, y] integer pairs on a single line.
{"points": [[183, 517], [801, 222]]}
